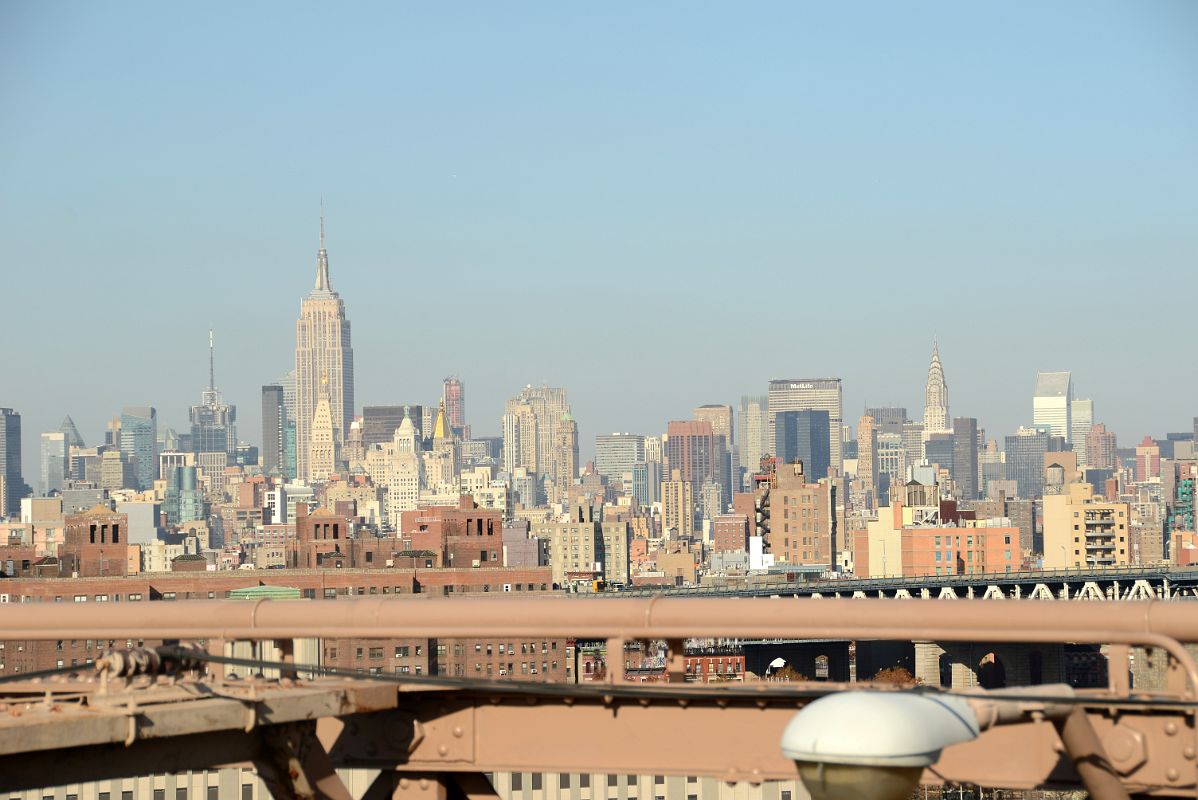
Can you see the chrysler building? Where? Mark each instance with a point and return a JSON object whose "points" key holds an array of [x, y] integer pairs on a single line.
{"points": [[935, 405]]}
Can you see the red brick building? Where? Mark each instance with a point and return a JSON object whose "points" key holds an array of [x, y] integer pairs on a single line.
{"points": [[461, 537], [94, 543], [730, 533], [398, 656]]}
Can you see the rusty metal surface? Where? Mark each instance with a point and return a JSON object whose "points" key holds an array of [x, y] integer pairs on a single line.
{"points": [[429, 738], [733, 739], [171, 711], [656, 618]]}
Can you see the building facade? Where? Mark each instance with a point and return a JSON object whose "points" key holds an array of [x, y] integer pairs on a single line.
{"points": [[799, 394], [1052, 404], [323, 354]]}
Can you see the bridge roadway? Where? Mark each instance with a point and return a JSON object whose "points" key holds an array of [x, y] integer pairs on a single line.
{"points": [[1129, 583]]}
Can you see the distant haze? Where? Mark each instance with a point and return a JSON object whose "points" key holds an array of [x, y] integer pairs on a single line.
{"points": [[654, 205]]}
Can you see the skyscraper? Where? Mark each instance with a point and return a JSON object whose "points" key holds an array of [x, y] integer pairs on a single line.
{"points": [[720, 417], [379, 423], [12, 484], [935, 397], [213, 422], [54, 462], [1083, 420], [727, 465], [68, 429], [1052, 404], [322, 438], [1025, 461], [888, 419], [454, 394], [405, 473], [530, 431], [753, 438], [1100, 447], [965, 457], [691, 453], [798, 394], [567, 453], [274, 429], [139, 443], [867, 454], [804, 436], [617, 453], [323, 352]]}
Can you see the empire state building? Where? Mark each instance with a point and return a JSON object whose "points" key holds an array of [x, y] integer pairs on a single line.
{"points": [[322, 350]]}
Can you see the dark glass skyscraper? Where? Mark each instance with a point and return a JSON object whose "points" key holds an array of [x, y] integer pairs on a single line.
{"points": [[965, 457], [805, 436], [10, 462], [139, 440], [1025, 461], [274, 429]]}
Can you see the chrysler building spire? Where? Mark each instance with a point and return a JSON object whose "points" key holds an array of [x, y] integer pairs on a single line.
{"points": [[935, 409]]}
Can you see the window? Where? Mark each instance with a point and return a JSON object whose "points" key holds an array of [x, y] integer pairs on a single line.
{"points": [[517, 781], [402, 652], [180, 793], [563, 780], [160, 794], [80, 598], [213, 793], [536, 781], [613, 780], [584, 780]]}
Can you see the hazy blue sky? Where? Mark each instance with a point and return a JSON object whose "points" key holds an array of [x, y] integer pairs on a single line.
{"points": [[656, 205]]}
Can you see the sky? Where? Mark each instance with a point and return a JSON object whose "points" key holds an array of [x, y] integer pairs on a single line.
{"points": [[656, 205]]}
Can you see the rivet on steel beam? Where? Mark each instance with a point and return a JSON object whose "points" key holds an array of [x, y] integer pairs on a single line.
{"points": [[495, 700], [683, 702], [722, 703], [1170, 728], [457, 731], [443, 750], [1172, 774], [1188, 753], [644, 702], [404, 783], [607, 699], [762, 704], [568, 701], [424, 783]]}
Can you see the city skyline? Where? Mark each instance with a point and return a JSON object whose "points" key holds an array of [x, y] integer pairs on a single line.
{"points": [[1001, 188]]}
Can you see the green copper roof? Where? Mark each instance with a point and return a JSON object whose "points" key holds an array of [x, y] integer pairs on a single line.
{"points": [[265, 593]]}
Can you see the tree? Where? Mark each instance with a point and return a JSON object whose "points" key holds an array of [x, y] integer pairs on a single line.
{"points": [[789, 673], [895, 676]]}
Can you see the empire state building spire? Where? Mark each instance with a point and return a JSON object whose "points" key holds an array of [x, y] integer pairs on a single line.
{"points": [[935, 410], [322, 260]]}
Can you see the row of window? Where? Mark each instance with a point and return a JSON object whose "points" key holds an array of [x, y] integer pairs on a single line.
{"points": [[181, 793]]}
